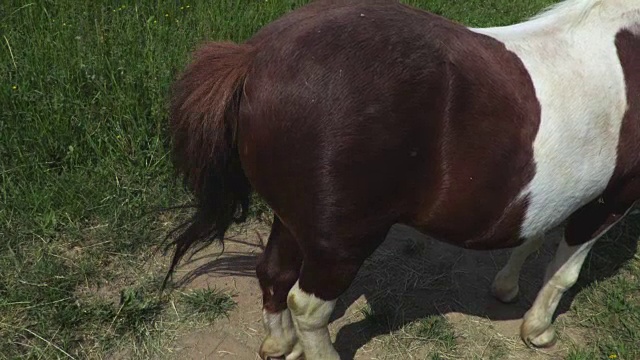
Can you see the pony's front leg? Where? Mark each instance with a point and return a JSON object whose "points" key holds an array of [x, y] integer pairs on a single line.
{"points": [[561, 274], [277, 271], [582, 231]]}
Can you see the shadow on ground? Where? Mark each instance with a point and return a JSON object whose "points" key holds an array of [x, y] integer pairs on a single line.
{"points": [[411, 277]]}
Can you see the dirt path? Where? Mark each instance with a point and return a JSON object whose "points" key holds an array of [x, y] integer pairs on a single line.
{"points": [[408, 278]]}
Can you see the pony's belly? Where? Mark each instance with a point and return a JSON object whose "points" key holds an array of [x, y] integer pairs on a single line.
{"points": [[506, 240], [559, 190], [500, 230]]}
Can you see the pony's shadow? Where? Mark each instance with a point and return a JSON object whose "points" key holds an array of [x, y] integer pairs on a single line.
{"points": [[235, 262], [410, 277]]}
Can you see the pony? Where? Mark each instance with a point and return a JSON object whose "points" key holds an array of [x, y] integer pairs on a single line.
{"points": [[349, 116]]}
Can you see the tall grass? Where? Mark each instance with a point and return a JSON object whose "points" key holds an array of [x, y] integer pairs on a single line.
{"points": [[84, 162], [83, 158]]}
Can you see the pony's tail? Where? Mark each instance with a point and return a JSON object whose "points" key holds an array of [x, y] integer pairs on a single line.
{"points": [[203, 123]]}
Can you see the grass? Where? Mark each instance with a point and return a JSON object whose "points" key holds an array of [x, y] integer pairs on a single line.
{"points": [[84, 165], [210, 303], [608, 307], [436, 329], [84, 168]]}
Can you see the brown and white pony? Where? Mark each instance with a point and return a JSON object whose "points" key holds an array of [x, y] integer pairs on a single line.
{"points": [[349, 116]]}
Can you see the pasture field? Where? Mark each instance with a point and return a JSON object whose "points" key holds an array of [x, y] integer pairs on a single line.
{"points": [[85, 176]]}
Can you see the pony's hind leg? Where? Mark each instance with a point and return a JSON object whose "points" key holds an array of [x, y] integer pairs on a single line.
{"points": [[327, 272], [277, 271], [505, 285]]}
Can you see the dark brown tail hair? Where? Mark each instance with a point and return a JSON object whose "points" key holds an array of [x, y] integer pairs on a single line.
{"points": [[203, 123]]}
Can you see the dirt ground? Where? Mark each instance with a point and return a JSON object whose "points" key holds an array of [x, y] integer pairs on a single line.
{"points": [[408, 278]]}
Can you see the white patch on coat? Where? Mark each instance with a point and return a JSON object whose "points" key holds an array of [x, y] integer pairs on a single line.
{"points": [[572, 59]]}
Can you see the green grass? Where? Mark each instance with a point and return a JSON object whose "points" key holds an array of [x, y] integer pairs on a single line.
{"points": [[609, 309], [436, 329], [210, 303], [83, 166]]}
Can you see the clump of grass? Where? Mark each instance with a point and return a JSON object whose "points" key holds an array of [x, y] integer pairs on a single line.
{"points": [[376, 319], [581, 354], [210, 303], [136, 310], [436, 328], [428, 338]]}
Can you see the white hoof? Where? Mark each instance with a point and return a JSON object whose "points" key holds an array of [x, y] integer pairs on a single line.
{"points": [[276, 348], [537, 334]]}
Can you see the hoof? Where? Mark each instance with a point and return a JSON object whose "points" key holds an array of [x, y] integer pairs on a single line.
{"points": [[271, 349], [507, 295], [538, 339], [545, 340], [296, 353]]}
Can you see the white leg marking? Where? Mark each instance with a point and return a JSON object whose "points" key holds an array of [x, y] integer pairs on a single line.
{"points": [[562, 273], [281, 334], [505, 284], [311, 317]]}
